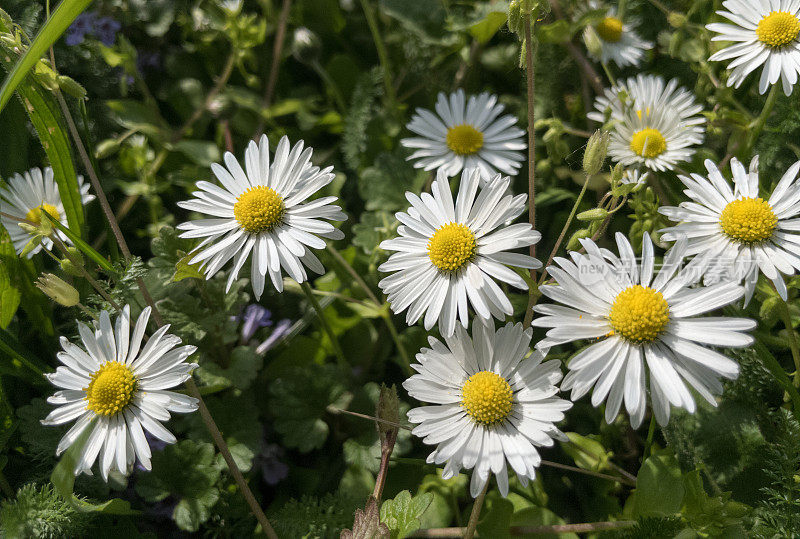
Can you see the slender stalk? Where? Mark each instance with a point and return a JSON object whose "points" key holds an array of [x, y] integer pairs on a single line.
{"points": [[79, 266], [472, 525], [368, 291], [383, 55], [326, 327], [387, 446], [277, 50], [534, 298], [599, 475], [530, 79], [370, 418], [786, 316], [649, 443], [621, 9], [586, 527], [758, 125], [591, 74], [222, 80]]}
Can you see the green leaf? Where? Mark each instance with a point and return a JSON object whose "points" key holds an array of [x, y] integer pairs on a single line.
{"points": [[85, 248], [659, 487], [57, 24], [496, 516], [136, 116], [383, 186], [557, 32], [185, 270], [485, 29], [199, 151], [587, 453], [710, 515], [402, 514], [9, 294]]}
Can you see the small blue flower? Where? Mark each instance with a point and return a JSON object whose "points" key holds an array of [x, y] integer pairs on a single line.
{"points": [[277, 334], [272, 469], [82, 25], [106, 30], [254, 317]]}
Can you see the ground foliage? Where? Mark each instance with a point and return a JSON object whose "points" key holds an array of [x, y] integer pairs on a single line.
{"points": [[729, 471]]}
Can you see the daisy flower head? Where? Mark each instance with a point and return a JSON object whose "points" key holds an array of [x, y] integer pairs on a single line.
{"points": [[655, 122], [263, 212], [491, 406], [449, 255], [619, 42], [735, 231], [766, 33], [466, 133], [29, 194], [645, 326], [116, 387]]}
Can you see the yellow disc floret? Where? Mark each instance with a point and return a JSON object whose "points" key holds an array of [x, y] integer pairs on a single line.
{"points": [[111, 388], [487, 398], [778, 29], [748, 220], [639, 314], [648, 143], [464, 139], [259, 209], [452, 247], [35, 214], [610, 29]]}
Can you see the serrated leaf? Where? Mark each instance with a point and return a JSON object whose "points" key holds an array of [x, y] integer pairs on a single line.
{"points": [[402, 514], [185, 270]]}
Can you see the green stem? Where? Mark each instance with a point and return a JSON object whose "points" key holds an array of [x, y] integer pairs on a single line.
{"points": [[621, 9], [325, 325], [649, 443], [469, 533], [758, 125], [383, 55], [400, 346], [610, 75], [531, 82], [533, 298], [786, 316]]}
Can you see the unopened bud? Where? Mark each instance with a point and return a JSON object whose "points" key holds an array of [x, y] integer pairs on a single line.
{"points": [[71, 87], [595, 154], [106, 148], [306, 46], [72, 263], [592, 42], [617, 173], [59, 291], [34, 242], [676, 20], [597, 214], [575, 241], [388, 410]]}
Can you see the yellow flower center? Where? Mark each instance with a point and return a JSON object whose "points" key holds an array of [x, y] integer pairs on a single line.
{"points": [[648, 143], [639, 314], [748, 220], [610, 29], [464, 139], [778, 29], [111, 389], [487, 398], [35, 215], [259, 209], [451, 247]]}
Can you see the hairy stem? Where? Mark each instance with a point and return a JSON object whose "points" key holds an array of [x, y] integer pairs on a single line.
{"points": [[530, 79], [277, 50], [758, 125], [383, 55], [472, 525]]}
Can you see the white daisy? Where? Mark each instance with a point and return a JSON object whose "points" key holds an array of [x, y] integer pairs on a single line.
{"points": [[766, 33], [264, 213], [735, 232], [492, 406], [619, 42], [27, 195], [467, 133], [449, 255], [642, 324], [634, 177], [116, 387], [655, 123]]}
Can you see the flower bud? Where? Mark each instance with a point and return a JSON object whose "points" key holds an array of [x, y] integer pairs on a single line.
{"points": [[388, 409], [595, 154], [575, 241], [34, 242], [57, 290], [68, 266], [593, 43], [71, 87], [306, 46], [596, 214], [676, 19]]}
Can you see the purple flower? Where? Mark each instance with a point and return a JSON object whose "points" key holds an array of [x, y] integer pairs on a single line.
{"points": [[273, 470], [278, 333], [254, 316], [106, 30], [82, 25]]}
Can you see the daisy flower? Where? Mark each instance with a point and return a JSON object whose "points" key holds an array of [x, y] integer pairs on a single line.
{"points": [[619, 42], [264, 214], [634, 177], [448, 256], [492, 406], [644, 325], [116, 388], [29, 194], [467, 133], [736, 232], [655, 123], [766, 34]]}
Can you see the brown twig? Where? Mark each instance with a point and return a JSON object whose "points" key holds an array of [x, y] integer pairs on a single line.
{"points": [[587, 527]]}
